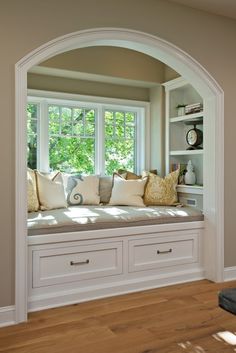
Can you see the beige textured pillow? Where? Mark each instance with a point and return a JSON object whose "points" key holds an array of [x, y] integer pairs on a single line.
{"points": [[105, 187], [33, 202], [86, 191], [161, 191], [50, 192], [127, 192]]}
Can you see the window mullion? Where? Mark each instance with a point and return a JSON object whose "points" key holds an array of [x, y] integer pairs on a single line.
{"points": [[43, 160], [100, 142]]}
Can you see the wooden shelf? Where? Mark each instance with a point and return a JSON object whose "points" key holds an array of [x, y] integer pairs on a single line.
{"points": [[188, 117], [186, 152], [190, 189]]}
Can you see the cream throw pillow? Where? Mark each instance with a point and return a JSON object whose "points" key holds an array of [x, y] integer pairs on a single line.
{"points": [[50, 191], [33, 202], [161, 191], [86, 191], [127, 192]]}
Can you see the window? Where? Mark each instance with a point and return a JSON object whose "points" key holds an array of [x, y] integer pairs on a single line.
{"points": [[32, 129], [120, 140], [71, 139], [85, 136]]}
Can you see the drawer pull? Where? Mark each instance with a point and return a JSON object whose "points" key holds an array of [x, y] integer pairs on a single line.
{"points": [[164, 252], [74, 263]]}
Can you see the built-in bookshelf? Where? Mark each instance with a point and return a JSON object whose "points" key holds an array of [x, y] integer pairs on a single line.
{"points": [[178, 92]]}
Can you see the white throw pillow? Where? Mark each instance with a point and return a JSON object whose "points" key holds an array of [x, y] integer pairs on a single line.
{"points": [[127, 192], [86, 191], [51, 192]]}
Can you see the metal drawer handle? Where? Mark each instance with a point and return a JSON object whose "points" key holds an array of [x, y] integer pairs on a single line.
{"points": [[73, 263], [164, 252]]}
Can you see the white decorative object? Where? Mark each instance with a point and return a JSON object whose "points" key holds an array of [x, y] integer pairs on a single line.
{"points": [[190, 177]]}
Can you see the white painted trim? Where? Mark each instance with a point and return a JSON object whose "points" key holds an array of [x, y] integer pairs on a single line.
{"points": [[7, 316], [193, 72], [116, 232], [230, 274], [51, 300], [126, 103]]}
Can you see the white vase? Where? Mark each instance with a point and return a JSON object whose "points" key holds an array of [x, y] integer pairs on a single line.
{"points": [[190, 177]]}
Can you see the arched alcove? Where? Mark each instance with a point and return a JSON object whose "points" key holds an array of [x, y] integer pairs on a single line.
{"points": [[193, 72]]}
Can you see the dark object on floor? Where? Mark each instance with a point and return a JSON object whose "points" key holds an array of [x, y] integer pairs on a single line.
{"points": [[227, 300]]}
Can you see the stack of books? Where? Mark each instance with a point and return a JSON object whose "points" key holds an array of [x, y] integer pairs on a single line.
{"points": [[193, 108]]}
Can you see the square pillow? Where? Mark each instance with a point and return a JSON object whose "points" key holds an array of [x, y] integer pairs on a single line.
{"points": [[161, 191], [32, 197], [85, 191], [127, 192], [51, 193]]}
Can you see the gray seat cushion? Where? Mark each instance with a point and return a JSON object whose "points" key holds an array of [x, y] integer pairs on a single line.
{"points": [[78, 218]]}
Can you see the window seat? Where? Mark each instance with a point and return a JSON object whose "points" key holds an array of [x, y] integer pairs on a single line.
{"points": [[81, 218]]}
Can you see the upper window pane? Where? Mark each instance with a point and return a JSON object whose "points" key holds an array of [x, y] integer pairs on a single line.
{"points": [[72, 139], [32, 130], [120, 141]]}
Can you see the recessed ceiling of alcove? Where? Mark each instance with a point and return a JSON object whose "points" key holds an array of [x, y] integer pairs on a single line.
{"points": [[107, 64], [225, 8]]}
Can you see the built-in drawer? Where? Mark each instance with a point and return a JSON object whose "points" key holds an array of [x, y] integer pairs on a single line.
{"points": [[69, 264], [151, 253]]}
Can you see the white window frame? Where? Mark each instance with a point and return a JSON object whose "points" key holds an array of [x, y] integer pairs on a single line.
{"points": [[99, 104]]}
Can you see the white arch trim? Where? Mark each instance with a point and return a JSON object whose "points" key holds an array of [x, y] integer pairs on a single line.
{"points": [[190, 69]]}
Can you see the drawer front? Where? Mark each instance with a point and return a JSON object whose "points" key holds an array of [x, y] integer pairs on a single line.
{"points": [[63, 265], [152, 253]]}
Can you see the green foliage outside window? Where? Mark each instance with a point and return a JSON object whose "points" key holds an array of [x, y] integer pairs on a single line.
{"points": [[72, 139], [119, 141], [32, 116]]}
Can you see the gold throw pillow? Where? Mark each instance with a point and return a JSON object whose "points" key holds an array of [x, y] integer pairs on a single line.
{"points": [[33, 203], [161, 191]]}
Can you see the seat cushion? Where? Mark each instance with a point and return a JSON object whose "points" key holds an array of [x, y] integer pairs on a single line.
{"points": [[81, 218]]}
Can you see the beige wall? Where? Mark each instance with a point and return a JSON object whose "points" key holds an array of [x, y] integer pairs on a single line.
{"points": [[67, 85], [27, 24]]}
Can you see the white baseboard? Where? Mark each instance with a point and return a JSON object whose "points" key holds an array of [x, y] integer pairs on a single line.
{"points": [[230, 273], [7, 316], [61, 298]]}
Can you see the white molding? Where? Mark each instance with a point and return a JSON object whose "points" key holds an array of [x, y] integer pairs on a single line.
{"points": [[116, 232], [193, 72], [7, 316], [67, 297], [190, 189], [230, 274], [112, 102]]}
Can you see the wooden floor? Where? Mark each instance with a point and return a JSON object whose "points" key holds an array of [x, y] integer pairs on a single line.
{"points": [[177, 319]]}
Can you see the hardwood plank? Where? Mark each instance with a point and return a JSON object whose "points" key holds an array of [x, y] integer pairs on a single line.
{"points": [[183, 318]]}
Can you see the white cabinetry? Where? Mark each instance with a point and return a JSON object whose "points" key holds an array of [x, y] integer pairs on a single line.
{"points": [[180, 92], [70, 268]]}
